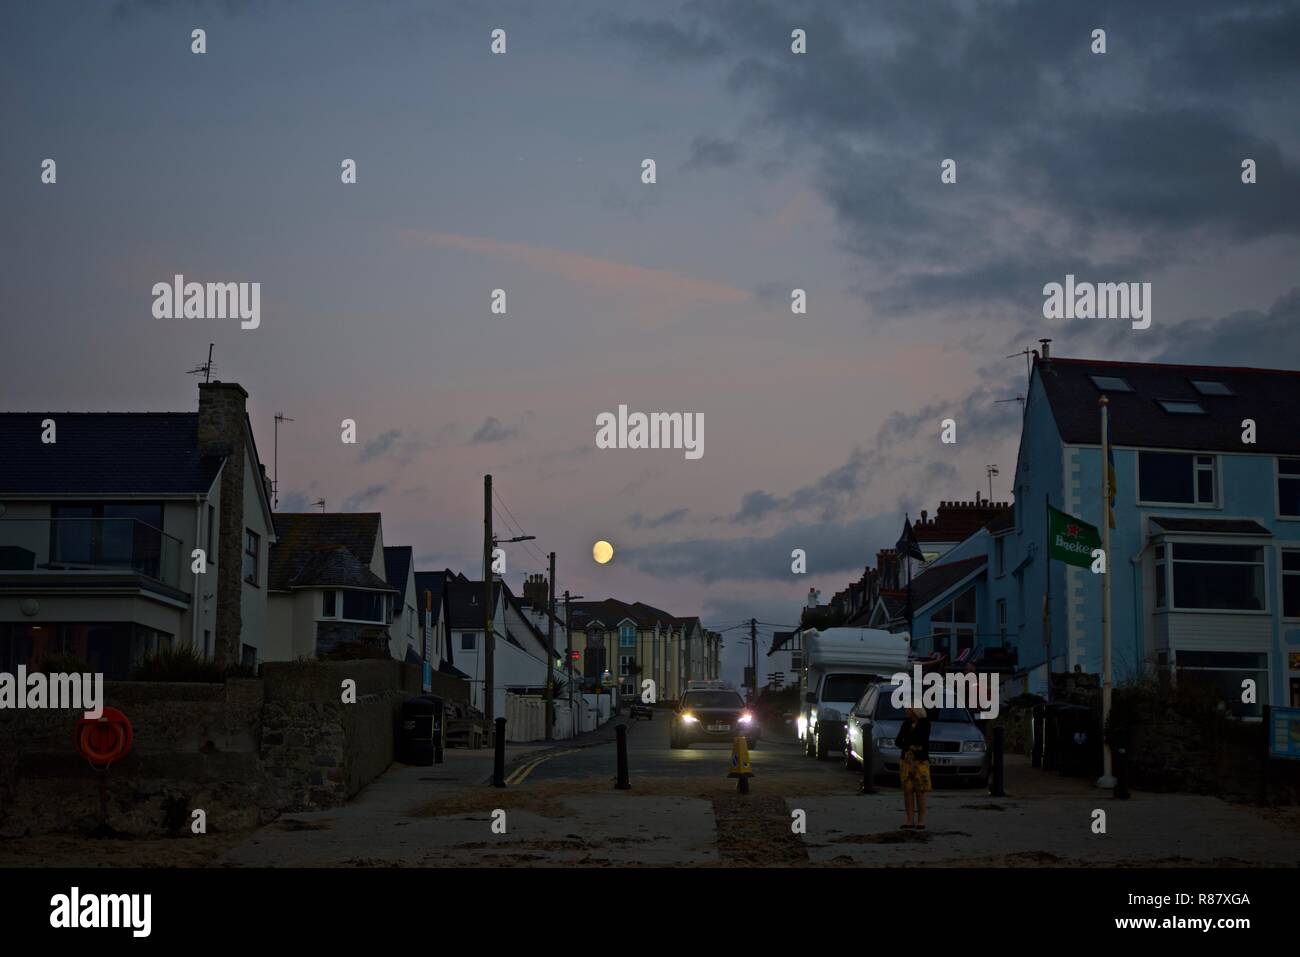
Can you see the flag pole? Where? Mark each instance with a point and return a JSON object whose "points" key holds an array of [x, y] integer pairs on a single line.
{"points": [[1047, 593], [1107, 779]]}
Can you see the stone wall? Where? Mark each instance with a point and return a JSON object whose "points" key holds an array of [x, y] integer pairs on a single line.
{"points": [[243, 752]]}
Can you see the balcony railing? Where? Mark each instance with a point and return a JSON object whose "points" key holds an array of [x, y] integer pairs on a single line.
{"points": [[89, 544]]}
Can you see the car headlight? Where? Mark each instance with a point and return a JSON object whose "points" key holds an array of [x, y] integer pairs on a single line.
{"points": [[689, 718], [746, 718], [830, 714], [972, 745], [885, 743]]}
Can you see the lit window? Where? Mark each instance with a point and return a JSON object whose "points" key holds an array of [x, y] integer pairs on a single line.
{"points": [[1211, 388], [1110, 383]]}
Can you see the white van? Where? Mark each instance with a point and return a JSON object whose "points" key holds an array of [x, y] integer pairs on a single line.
{"points": [[840, 664]]}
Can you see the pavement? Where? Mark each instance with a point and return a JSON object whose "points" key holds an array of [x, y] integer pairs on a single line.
{"points": [[560, 808]]}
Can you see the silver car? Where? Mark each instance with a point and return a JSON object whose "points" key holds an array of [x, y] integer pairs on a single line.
{"points": [[957, 749]]}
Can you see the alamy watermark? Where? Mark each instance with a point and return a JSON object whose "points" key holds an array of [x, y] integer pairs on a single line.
{"points": [[977, 691], [84, 692], [1105, 300], [208, 300], [654, 430]]}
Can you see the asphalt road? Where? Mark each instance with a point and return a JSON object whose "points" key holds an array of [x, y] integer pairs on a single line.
{"points": [[649, 754]]}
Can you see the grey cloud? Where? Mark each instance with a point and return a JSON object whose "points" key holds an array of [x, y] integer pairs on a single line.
{"points": [[711, 152], [359, 500], [637, 520], [493, 431], [661, 41]]}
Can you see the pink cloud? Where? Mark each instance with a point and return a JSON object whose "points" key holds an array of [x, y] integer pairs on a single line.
{"points": [[588, 270]]}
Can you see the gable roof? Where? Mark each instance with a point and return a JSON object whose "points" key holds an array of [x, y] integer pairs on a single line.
{"points": [[1269, 396], [465, 604], [337, 566], [779, 641], [301, 536], [611, 612], [397, 567], [938, 579], [104, 453]]}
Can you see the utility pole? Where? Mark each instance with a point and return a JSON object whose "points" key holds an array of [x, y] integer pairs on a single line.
{"points": [[753, 660], [568, 640], [550, 652], [489, 635]]}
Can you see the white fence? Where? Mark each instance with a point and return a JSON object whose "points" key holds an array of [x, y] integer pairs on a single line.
{"points": [[526, 716]]}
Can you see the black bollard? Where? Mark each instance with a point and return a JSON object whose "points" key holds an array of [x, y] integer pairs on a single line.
{"points": [[1121, 773], [499, 765], [439, 733], [996, 779], [621, 733], [868, 764], [1036, 751], [742, 785]]}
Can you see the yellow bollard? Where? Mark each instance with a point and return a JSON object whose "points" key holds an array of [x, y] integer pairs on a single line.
{"points": [[741, 769]]}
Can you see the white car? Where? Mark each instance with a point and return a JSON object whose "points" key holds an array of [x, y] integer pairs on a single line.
{"points": [[957, 748]]}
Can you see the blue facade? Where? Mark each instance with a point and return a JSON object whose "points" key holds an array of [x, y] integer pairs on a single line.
{"points": [[1218, 562]]}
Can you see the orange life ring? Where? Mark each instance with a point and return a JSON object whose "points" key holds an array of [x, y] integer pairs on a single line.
{"points": [[105, 740]]}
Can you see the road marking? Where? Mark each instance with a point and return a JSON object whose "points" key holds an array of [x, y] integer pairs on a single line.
{"points": [[517, 776]]}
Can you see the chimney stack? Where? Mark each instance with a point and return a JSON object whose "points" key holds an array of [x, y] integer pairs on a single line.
{"points": [[1046, 352], [221, 434]]}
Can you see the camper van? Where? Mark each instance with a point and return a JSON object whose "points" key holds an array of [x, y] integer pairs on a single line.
{"points": [[840, 664]]}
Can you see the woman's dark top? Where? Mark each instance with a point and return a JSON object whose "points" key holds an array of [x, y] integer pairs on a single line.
{"points": [[916, 738]]}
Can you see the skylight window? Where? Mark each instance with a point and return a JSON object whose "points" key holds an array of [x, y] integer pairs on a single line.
{"points": [[1205, 387], [1110, 383], [1181, 406]]}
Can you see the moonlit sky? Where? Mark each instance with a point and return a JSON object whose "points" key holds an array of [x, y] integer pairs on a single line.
{"points": [[522, 172]]}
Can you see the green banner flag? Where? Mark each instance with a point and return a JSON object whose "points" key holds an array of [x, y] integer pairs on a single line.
{"points": [[1069, 539]]}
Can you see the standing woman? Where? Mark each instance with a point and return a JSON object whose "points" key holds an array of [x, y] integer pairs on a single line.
{"points": [[913, 742]]}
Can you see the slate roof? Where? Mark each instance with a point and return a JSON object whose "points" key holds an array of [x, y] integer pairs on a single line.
{"points": [[937, 579], [337, 566], [465, 604], [1211, 526], [397, 566], [104, 453], [430, 581], [302, 536], [1269, 396]]}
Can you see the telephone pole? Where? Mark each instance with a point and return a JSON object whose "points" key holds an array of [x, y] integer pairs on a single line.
{"points": [[753, 660], [568, 640], [489, 635], [550, 652]]}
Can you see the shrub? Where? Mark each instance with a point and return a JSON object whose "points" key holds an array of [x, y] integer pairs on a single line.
{"points": [[355, 651], [183, 663]]}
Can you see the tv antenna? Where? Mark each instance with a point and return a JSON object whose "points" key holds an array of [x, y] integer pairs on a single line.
{"points": [[320, 504], [991, 470], [206, 368], [1029, 360], [1018, 398], [275, 476]]}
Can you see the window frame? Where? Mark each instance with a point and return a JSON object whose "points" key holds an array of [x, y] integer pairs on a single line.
{"points": [[1283, 574], [1278, 478], [1196, 468], [627, 636], [1169, 561], [256, 556]]}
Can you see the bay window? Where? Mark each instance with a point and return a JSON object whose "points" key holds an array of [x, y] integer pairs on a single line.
{"points": [[1201, 576]]}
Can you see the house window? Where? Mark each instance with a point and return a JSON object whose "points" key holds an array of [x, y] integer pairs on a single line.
{"points": [[1002, 620], [625, 665], [1211, 388], [627, 636], [1212, 577], [1176, 478], [796, 661], [955, 619], [1291, 584], [1181, 406], [210, 541], [329, 605], [252, 545], [1110, 383], [1222, 673], [365, 606], [1000, 555], [469, 641], [1288, 488]]}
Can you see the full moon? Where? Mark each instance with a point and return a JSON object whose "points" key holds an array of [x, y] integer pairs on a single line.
{"points": [[602, 551]]}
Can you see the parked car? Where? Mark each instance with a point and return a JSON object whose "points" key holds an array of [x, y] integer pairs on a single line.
{"points": [[636, 708], [712, 716], [957, 748]]}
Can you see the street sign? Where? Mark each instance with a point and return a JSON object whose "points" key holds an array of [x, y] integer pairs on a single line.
{"points": [[1284, 733]]}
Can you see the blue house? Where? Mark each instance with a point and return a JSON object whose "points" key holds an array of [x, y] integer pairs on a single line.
{"points": [[1205, 554]]}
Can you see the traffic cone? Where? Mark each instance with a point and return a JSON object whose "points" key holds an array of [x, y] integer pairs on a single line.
{"points": [[741, 769]]}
